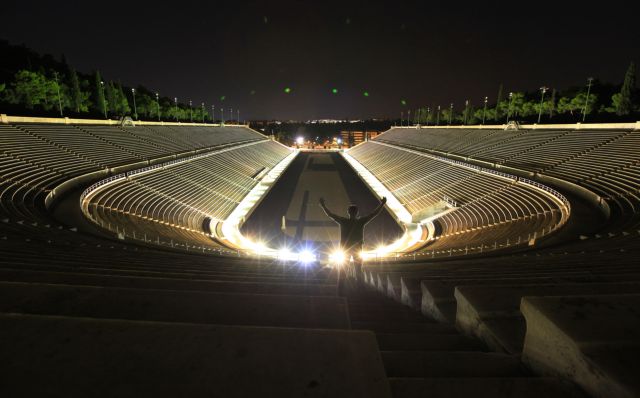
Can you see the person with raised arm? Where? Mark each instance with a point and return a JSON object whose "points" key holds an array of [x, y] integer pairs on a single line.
{"points": [[352, 232]]}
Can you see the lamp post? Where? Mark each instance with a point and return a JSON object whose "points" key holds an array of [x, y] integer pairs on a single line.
{"points": [[175, 100], [509, 108], [408, 118], [203, 113], [586, 102], [135, 108], [190, 111], [484, 111], [221, 116], [55, 76], [213, 113], [438, 116], [238, 116], [158, 104], [543, 90], [450, 113], [428, 113], [401, 114], [104, 103], [230, 115]]}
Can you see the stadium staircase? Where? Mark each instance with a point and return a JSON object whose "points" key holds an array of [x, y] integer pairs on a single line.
{"points": [[424, 358]]}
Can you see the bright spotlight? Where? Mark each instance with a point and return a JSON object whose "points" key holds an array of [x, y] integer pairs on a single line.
{"points": [[337, 257], [339, 140], [260, 248], [300, 140], [284, 254], [306, 256]]}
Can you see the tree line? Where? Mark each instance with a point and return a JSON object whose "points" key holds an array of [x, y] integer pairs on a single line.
{"points": [[37, 84], [593, 102]]}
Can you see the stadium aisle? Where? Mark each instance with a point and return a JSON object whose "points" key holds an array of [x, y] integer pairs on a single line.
{"points": [[310, 177]]}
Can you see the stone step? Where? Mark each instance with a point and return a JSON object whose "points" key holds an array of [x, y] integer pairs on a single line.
{"points": [[404, 327], [592, 340], [107, 270], [450, 364], [173, 265], [79, 357], [483, 387], [174, 306], [390, 316], [492, 312], [70, 278], [427, 342], [438, 299]]}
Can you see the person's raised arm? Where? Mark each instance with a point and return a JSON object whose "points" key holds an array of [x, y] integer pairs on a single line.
{"points": [[327, 211], [377, 210]]}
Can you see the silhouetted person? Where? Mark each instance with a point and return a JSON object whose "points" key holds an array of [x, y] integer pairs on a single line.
{"points": [[352, 231]]}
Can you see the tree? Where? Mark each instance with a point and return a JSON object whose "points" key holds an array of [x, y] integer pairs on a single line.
{"points": [[575, 105], [122, 104], [75, 94], [110, 94], [31, 89], [552, 103], [623, 103]]}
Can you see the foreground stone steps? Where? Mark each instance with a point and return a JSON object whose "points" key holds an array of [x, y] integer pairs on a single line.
{"points": [[492, 312], [174, 306], [404, 327], [432, 359], [450, 364], [386, 315], [426, 342], [84, 357], [593, 340], [277, 286], [220, 276], [482, 387], [438, 297]]}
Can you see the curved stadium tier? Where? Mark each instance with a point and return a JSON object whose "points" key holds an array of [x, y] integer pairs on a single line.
{"points": [[156, 247]]}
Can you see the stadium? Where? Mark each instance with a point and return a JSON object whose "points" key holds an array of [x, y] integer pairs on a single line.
{"points": [[191, 259]]}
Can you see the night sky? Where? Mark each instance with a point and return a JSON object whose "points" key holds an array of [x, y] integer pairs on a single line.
{"points": [[422, 52]]}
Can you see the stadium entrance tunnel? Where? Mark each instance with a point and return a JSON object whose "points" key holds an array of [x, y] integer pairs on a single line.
{"points": [[287, 222]]}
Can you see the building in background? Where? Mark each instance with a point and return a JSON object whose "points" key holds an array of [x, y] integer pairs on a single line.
{"points": [[353, 138]]}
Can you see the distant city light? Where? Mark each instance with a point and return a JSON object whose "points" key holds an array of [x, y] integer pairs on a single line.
{"points": [[300, 140], [334, 90], [366, 93], [403, 102], [223, 97], [339, 140], [287, 90]]}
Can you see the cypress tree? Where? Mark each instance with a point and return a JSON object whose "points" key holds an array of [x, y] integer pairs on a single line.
{"points": [[123, 102], [625, 103], [98, 95], [111, 97], [76, 93]]}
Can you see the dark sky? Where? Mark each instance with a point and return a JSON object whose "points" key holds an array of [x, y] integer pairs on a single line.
{"points": [[249, 51]]}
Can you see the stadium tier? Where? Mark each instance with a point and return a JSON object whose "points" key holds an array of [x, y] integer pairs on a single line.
{"points": [[605, 161], [485, 207], [183, 198], [114, 282]]}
